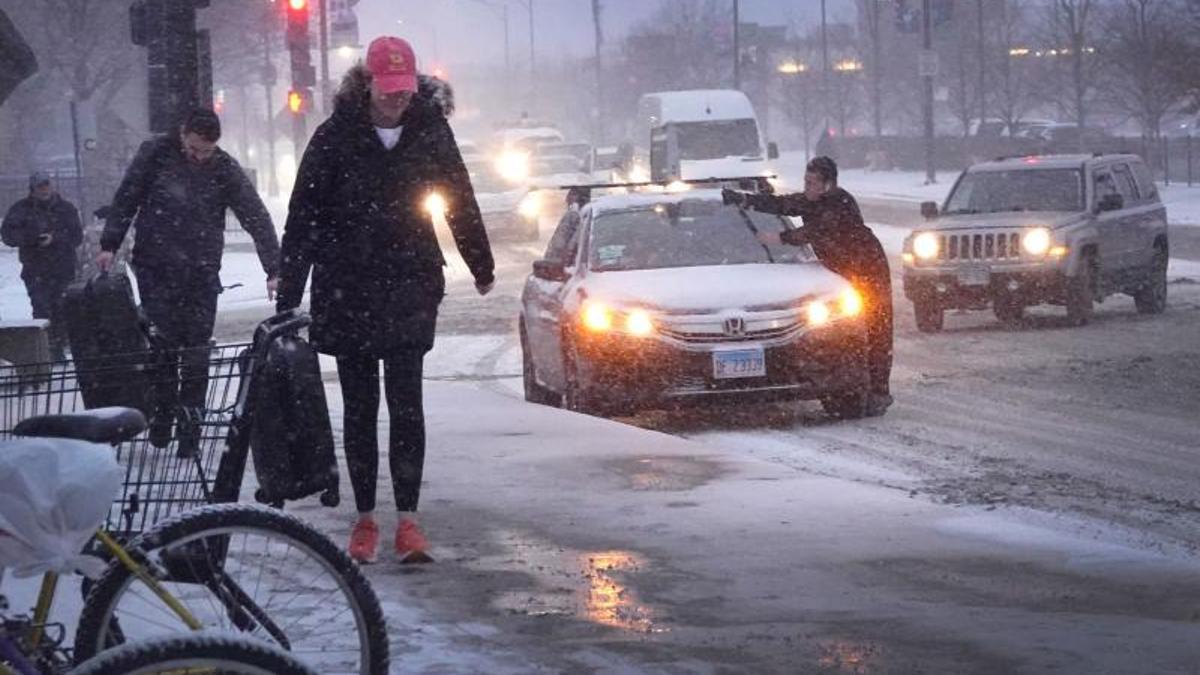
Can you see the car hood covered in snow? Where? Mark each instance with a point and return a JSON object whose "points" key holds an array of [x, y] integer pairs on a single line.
{"points": [[1007, 220], [497, 202], [715, 288]]}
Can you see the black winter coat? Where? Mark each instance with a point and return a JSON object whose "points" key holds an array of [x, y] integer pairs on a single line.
{"points": [[30, 218], [180, 206], [357, 219], [833, 226]]}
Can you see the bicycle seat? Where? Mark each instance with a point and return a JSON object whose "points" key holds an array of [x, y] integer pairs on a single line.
{"points": [[101, 425]]}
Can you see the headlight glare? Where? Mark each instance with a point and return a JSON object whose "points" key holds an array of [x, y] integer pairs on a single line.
{"points": [[818, 313], [597, 317], [531, 205], [925, 246], [1036, 242], [435, 204], [850, 302], [513, 166], [638, 323]]}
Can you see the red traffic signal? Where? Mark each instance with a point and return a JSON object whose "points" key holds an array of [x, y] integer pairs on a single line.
{"points": [[297, 24], [298, 5]]}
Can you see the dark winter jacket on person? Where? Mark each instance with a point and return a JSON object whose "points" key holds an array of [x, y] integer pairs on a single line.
{"points": [[28, 220], [178, 207], [833, 226], [357, 219]]}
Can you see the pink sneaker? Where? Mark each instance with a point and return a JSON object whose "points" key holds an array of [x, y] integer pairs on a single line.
{"points": [[411, 545], [364, 541]]}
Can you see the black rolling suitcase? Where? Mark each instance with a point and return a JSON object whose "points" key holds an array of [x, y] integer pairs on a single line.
{"points": [[291, 438], [109, 343]]}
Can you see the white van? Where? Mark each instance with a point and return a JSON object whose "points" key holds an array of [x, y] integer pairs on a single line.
{"points": [[701, 133]]}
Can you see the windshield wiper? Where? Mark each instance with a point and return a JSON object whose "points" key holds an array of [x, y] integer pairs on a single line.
{"points": [[957, 212]]}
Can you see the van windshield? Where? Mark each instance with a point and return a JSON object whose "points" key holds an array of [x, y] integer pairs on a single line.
{"points": [[718, 139]]}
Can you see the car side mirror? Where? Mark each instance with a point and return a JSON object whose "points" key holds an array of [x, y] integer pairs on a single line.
{"points": [[1110, 202], [550, 270], [929, 210], [772, 150]]}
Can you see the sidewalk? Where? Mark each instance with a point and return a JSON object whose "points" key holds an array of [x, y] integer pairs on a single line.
{"points": [[567, 543]]}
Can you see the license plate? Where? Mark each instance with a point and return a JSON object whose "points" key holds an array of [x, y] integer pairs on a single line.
{"points": [[733, 363], [974, 276]]}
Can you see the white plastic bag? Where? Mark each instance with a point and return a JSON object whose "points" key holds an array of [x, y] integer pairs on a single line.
{"points": [[54, 494]]}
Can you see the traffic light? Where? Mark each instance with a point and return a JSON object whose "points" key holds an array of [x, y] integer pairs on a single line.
{"points": [[941, 11], [178, 58], [299, 101]]}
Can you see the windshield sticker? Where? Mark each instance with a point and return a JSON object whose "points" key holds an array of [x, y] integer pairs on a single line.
{"points": [[611, 253]]}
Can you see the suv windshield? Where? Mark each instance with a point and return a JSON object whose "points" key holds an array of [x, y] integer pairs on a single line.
{"points": [[1018, 190], [690, 233]]}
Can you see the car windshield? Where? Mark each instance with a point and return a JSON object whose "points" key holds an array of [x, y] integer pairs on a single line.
{"points": [[1018, 190], [690, 233], [549, 166], [484, 178], [716, 140]]}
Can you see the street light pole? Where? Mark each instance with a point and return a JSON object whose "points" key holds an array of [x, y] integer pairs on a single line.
{"points": [[927, 77], [324, 47], [737, 48], [825, 68], [532, 62], [982, 66]]}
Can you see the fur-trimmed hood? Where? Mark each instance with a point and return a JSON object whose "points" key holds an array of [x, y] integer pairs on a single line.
{"points": [[433, 95]]}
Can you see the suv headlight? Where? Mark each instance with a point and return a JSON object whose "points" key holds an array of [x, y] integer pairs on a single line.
{"points": [[1036, 242], [925, 246]]}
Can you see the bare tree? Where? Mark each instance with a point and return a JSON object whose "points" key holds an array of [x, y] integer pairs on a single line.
{"points": [[1069, 38], [1012, 93], [1143, 41]]}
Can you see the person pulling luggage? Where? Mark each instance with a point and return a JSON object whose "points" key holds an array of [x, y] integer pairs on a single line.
{"points": [[357, 221], [833, 226], [176, 192], [45, 229]]}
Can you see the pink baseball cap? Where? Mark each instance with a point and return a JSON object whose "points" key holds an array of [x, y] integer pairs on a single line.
{"points": [[392, 64]]}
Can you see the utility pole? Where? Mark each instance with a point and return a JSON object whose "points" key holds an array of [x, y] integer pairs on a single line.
{"points": [[928, 69], [532, 62], [323, 39], [825, 68], [268, 82], [876, 68], [982, 64], [737, 47], [598, 121]]}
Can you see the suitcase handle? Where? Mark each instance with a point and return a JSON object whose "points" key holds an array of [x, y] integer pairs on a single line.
{"points": [[283, 322]]}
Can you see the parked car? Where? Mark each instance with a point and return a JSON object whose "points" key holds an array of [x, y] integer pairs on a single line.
{"points": [[1066, 230], [664, 299]]}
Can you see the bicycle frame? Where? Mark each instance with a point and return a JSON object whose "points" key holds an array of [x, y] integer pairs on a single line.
{"points": [[9, 648]]}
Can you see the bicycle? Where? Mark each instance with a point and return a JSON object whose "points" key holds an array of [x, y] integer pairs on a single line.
{"points": [[26, 645], [242, 568]]}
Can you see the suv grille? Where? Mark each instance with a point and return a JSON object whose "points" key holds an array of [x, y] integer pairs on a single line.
{"points": [[713, 336], [997, 246]]}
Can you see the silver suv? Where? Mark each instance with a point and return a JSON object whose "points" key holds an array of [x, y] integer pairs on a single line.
{"points": [[1059, 229]]}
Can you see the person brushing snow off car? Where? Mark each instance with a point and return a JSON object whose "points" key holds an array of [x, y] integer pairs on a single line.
{"points": [[833, 226], [357, 221]]}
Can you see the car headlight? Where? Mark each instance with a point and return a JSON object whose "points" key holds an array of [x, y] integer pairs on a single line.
{"points": [[530, 206], [513, 166], [850, 302], [1036, 242], [435, 204], [638, 174], [818, 313], [925, 246], [598, 317]]}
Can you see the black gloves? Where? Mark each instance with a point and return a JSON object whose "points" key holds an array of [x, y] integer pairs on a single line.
{"points": [[733, 197]]}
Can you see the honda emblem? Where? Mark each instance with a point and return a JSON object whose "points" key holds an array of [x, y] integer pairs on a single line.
{"points": [[735, 327]]}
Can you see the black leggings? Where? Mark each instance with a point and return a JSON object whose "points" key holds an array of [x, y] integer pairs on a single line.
{"points": [[359, 376]]}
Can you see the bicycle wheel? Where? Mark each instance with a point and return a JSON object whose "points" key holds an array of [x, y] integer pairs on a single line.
{"points": [[247, 569], [195, 653]]}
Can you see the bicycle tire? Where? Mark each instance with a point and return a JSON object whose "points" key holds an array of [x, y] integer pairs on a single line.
{"points": [[220, 652], [216, 523]]}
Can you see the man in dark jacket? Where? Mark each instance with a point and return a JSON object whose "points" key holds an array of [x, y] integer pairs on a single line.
{"points": [[357, 221], [834, 228], [176, 192], [45, 229]]}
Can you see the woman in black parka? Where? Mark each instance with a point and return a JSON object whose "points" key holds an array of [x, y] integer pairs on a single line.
{"points": [[357, 219]]}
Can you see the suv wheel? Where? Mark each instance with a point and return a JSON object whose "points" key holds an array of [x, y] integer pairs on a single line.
{"points": [[849, 405], [1151, 298], [930, 317], [534, 392], [1009, 311], [1081, 291]]}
